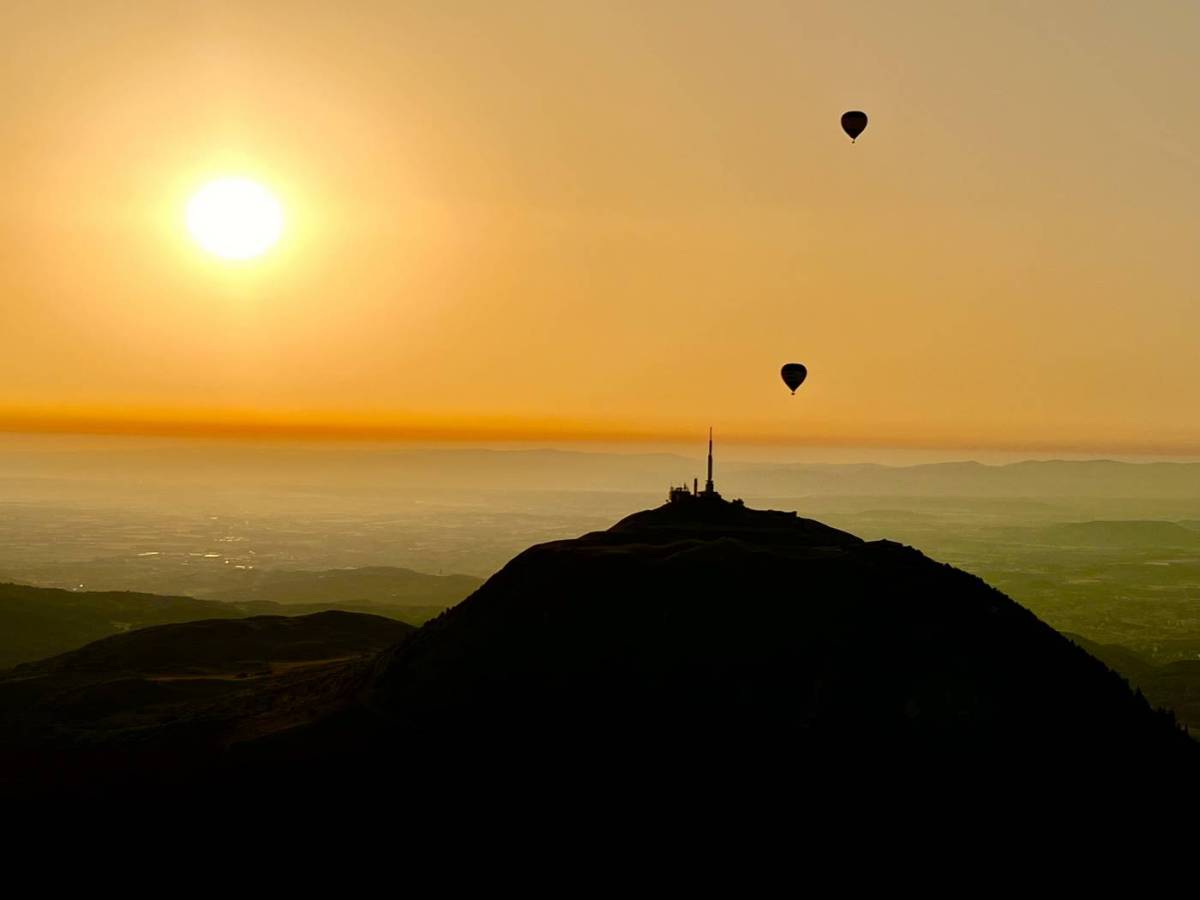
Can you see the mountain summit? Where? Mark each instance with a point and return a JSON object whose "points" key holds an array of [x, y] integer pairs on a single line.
{"points": [[709, 631]]}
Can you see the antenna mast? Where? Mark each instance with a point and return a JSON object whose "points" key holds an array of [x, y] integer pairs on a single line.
{"points": [[708, 485]]}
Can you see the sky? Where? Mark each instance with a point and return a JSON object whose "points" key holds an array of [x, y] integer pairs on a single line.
{"points": [[608, 221]]}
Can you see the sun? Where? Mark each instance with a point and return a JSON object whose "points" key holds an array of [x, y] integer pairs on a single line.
{"points": [[235, 218]]}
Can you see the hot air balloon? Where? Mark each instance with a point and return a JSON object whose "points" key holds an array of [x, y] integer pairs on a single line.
{"points": [[793, 375], [854, 123]]}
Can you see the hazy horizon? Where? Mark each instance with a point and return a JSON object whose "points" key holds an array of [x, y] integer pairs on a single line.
{"points": [[727, 451]]}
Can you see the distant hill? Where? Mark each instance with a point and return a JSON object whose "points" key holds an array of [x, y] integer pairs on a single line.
{"points": [[701, 642], [1120, 659], [227, 645], [376, 585], [1174, 685], [1139, 534], [39, 622]]}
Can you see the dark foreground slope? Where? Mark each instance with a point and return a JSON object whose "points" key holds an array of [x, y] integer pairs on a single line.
{"points": [[702, 639], [163, 704]]}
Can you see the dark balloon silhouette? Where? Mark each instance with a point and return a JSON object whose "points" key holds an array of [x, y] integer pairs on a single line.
{"points": [[854, 123], [793, 375]]}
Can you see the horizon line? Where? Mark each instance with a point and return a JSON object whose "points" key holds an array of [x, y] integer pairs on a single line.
{"points": [[525, 431]]}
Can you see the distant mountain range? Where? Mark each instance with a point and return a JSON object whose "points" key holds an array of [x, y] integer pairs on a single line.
{"points": [[702, 637], [1117, 533], [320, 474], [1032, 479]]}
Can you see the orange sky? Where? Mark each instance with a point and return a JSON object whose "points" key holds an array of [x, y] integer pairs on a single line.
{"points": [[615, 219]]}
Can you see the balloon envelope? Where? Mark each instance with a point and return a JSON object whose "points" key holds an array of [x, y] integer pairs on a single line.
{"points": [[854, 123], [793, 375]]}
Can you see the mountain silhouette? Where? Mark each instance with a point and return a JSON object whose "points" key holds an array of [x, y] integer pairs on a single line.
{"points": [[705, 638], [714, 630]]}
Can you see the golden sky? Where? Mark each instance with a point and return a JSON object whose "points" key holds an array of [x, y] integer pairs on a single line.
{"points": [[609, 219]]}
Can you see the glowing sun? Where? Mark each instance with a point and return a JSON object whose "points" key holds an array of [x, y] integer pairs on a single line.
{"points": [[235, 218]]}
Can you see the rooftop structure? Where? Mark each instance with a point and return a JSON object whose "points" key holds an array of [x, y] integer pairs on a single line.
{"points": [[681, 494]]}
